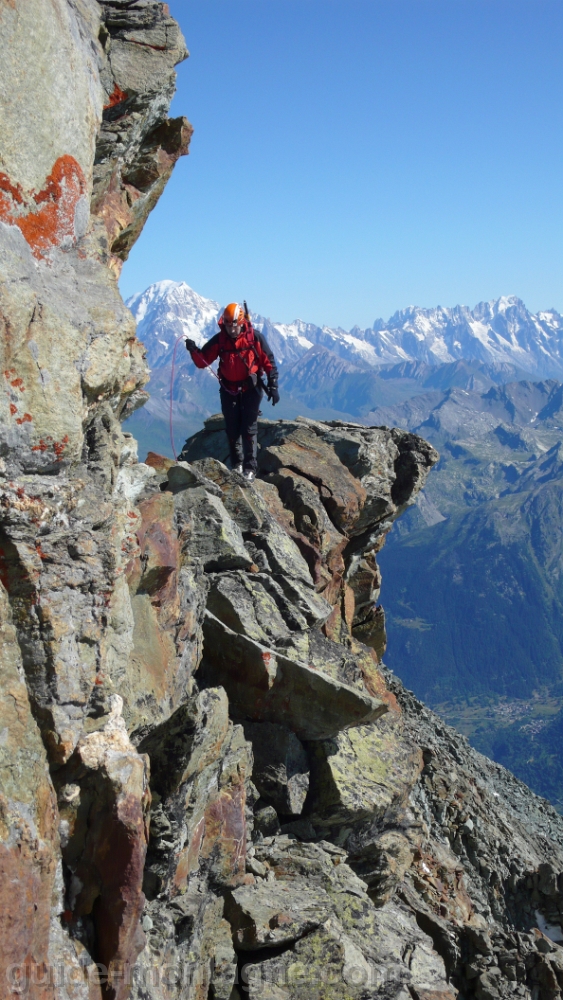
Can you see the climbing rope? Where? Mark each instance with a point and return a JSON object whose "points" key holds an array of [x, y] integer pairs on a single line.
{"points": [[207, 365], [171, 388]]}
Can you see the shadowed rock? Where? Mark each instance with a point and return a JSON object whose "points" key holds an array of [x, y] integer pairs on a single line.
{"points": [[104, 801], [281, 767]]}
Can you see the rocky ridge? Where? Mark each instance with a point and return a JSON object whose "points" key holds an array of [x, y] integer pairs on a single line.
{"points": [[210, 787]]}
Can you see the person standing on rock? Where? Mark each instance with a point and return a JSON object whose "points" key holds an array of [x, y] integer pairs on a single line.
{"points": [[244, 355]]}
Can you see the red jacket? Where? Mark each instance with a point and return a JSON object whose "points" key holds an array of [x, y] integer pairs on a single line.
{"points": [[248, 354]]}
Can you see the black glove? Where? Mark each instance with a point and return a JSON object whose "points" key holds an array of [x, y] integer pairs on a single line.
{"points": [[273, 391], [190, 345]]}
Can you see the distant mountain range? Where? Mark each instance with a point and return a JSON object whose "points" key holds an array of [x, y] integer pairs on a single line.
{"points": [[499, 332], [329, 372], [473, 574]]}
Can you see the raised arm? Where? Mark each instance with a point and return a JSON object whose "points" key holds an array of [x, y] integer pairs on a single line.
{"points": [[204, 356]]}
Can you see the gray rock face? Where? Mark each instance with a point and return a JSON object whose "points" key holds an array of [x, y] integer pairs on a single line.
{"points": [[213, 534], [69, 481]]}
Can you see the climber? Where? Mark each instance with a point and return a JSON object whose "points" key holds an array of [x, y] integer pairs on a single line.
{"points": [[243, 355]]}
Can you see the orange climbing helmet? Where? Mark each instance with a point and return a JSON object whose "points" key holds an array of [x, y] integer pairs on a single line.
{"points": [[233, 313]]}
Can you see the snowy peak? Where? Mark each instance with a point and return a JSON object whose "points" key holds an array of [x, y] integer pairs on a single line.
{"points": [[168, 310], [174, 296]]}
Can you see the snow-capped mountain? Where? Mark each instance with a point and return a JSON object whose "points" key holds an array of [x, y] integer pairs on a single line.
{"points": [[498, 332], [168, 310]]}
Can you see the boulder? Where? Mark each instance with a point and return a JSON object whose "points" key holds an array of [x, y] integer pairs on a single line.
{"points": [[298, 448], [244, 604], [210, 442], [250, 604], [182, 476], [270, 914], [212, 535], [265, 686], [303, 499], [239, 498], [361, 773], [256, 510], [346, 663], [391, 464], [266, 821]]}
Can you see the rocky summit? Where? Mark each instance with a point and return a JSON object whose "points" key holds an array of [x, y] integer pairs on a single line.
{"points": [[210, 786]]}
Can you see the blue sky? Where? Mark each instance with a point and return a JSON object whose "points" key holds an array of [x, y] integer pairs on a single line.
{"points": [[353, 157]]}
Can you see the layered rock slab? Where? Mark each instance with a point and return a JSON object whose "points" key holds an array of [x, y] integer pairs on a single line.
{"points": [[265, 686]]}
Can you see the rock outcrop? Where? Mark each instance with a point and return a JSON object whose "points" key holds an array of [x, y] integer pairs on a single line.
{"points": [[210, 785]]}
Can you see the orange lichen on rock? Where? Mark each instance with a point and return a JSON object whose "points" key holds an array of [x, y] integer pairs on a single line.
{"points": [[45, 217], [116, 97], [59, 447]]}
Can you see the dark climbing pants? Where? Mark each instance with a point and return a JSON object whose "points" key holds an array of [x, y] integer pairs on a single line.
{"points": [[241, 423]]}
